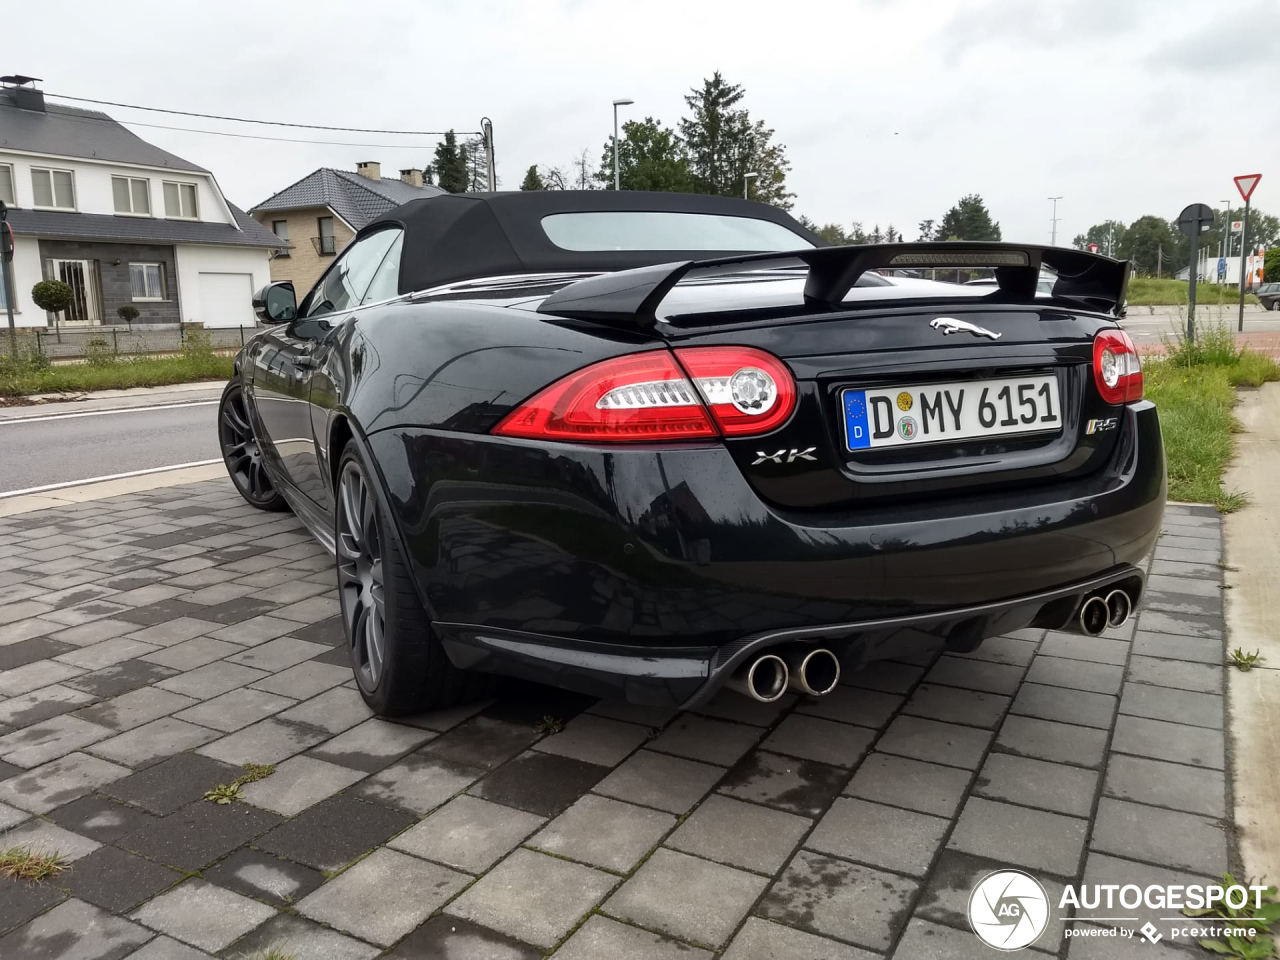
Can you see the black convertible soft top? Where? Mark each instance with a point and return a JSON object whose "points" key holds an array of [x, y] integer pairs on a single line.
{"points": [[459, 236]]}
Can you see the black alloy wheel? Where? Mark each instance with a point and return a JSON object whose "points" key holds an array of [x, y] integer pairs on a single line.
{"points": [[242, 453]]}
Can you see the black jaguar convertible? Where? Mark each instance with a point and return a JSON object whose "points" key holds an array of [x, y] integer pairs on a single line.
{"points": [[652, 444]]}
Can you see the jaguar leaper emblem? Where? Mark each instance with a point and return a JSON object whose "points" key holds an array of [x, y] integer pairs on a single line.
{"points": [[950, 325]]}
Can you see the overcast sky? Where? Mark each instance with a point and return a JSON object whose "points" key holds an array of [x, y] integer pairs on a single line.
{"points": [[890, 111]]}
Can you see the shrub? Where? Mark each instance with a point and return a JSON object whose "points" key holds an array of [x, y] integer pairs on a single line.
{"points": [[52, 295], [1271, 266], [127, 312], [197, 342], [99, 353]]}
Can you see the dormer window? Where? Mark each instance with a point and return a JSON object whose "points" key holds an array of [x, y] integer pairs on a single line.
{"points": [[53, 189], [180, 201], [132, 196]]}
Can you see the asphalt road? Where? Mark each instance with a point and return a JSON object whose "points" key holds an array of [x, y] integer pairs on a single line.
{"points": [[38, 449]]}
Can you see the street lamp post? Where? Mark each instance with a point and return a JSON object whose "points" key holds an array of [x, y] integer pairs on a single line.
{"points": [[617, 179], [1053, 223], [1226, 230], [746, 184]]}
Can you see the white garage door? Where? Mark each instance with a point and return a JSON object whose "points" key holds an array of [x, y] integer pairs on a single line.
{"points": [[226, 300]]}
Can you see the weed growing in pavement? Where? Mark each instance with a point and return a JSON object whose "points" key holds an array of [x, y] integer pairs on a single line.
{"points": [[271, 953], [225, 793], [1245, 661], [1261, 918], [22, 863], [549, 725], [256, 771]]}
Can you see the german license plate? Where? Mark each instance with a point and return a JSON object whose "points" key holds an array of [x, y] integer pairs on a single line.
{"points": [[932, 412]]}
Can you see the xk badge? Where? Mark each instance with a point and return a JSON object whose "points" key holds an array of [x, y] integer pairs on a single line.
{"points": [[785, 456]]}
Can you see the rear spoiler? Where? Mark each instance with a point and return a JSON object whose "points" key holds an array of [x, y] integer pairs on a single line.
{"points": [[630, 298]]}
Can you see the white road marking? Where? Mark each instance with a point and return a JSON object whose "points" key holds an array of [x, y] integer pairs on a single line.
{"points": [[102, 413], [110, 476]]}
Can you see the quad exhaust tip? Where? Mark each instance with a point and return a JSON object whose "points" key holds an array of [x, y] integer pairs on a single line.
{"points": [[813, 672], [1119, 606], [764, 678], [1101, 611]]}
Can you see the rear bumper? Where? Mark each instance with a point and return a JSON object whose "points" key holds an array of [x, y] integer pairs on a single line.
{"points": [[665, 553]]}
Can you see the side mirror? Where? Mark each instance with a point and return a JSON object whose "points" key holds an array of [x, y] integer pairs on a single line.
{"points": [[276, 302]]}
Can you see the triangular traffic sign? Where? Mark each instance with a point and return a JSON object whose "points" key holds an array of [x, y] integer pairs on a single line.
{"points": [[1246, 184]]}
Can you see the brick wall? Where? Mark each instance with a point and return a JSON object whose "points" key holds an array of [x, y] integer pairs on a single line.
{"points": [[303, 265], [112, 261]]}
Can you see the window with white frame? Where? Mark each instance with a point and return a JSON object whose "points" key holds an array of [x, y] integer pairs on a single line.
{"points": [[147, 281], [132, 195], [53, 189], [6, 185], [281, 229], [180, 201]]}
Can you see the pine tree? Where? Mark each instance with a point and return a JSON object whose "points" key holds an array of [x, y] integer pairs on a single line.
{"points": [[968, 220], [532, 180], [451, 165]]}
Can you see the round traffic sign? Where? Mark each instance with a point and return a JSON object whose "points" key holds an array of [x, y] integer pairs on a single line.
{"points": [[1195, 218]]}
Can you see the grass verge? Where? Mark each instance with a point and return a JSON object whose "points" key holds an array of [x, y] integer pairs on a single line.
{"points": [[1194, 389], [1159, 291]]}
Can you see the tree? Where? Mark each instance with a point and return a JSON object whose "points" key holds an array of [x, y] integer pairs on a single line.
{"points": [[1150, 243], [875, 236], [968, 220], [583, 178], [724, 144], [1271, 266], [532, 179], [926, 229], [1108, 235], [52, 295], [650, 157], [833, 233], [450, 165], [476, 159], [891, 235]]}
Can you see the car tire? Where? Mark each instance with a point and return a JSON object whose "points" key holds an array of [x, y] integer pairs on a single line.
{"points": [[242, 453], [399, 664]]}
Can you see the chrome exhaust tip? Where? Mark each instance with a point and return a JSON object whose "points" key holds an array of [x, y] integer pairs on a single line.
{"points": [[1119, 607], [813, 672], [764, 678], [1094, 616]]}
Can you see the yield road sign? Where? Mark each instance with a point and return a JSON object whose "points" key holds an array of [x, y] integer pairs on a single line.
{"points": [[1246, 183]]}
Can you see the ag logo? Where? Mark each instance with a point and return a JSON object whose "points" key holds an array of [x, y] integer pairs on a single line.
{"points": [[1008, 909]]}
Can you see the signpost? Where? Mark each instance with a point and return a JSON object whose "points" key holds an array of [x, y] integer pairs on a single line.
{"points": [[6, 257], [1093, 248], [1194, 220], [1245, 184], [1222, 268]]}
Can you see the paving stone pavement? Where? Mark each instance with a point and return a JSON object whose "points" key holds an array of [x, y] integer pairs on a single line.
{"points": [[152, 644]]}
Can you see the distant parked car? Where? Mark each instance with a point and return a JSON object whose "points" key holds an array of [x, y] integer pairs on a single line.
{"points": [[1269, 295]]}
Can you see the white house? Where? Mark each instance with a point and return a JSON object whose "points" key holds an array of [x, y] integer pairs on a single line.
{"points": [[119, 220]]}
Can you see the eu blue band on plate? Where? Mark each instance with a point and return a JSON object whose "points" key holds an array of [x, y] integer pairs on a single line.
{"points": [[856, 433]]}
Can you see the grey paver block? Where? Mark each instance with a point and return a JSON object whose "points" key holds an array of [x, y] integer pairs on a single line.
{"points": [[41, 704], [728, 705], [203, 915], [48, 740], [383, 897], [833, 897], [197, 834], [256, 874], [812, 738], [172, 783], [301, 938], [211, 680], [255, 630], [601, 937], [533, 897], [604, 833], [866, 708], [763, 940], [1002, 678], [120, 678], [1020, 836], [1076, 646], [1101, 868], [59, 781], [135, 708], [81, 929], [169, 633], [1166, 837], [234, 710], [1193, 789], [167, 948], [190, 654], [104, 654], [268, 741], [740, 834], [540, 783], [334, 710], [1183, 586], [9, 816], [686, 897], [279, 654], [20, 903], [925, 940], [1076, 674], [444, 936], [33, 676], [159, 738], [333, 832], [42, 837], [1193, 649], [1176, 742], [115, 880], [1068, 706], [595, 740], [900, 840], [372, 745], [305, 679], [1114, 948], [914, 784], [1181, 624], [298, 783], [803, 787], [935, 742], [468, 834], [1037, 783], [957, 705], [1177, 706], [1049, 740], [419, 783], [1178, 674], [659, 780], [711, 741], [1017, 648]]}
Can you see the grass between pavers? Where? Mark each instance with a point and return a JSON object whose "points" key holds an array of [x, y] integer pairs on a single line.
{"points": [[1194, 389], [1155, 291], [22, 863]]}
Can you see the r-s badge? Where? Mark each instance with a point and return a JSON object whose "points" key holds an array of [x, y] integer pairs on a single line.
{"points": [[1101, 426]]}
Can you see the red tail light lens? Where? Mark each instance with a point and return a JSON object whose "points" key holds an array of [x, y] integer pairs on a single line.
{"points": [[1117, 369], [648, 397]]}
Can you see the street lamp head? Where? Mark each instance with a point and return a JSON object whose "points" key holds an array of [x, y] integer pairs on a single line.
{"points": [[623, 103]]}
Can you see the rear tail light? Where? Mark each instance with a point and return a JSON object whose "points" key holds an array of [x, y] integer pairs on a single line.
{"points": [[1117, 370], [695, 393]]}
